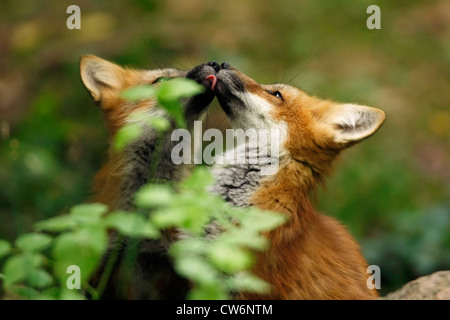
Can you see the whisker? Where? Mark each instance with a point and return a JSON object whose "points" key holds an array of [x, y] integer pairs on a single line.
{"points": [[178, 63], [304, 66], [156, 60], [192, 61]]}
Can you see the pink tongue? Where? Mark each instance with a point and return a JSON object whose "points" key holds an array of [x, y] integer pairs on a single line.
{"points": [[213, 81]]}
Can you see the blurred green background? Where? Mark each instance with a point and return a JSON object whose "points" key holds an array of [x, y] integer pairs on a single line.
{"points": [[392, 191]]}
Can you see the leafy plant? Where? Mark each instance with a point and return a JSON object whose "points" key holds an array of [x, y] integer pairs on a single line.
{"points": [[36, 266]]}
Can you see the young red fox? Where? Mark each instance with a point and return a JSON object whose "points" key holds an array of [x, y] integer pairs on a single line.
{"points": [[125, 172], [312, 256]]}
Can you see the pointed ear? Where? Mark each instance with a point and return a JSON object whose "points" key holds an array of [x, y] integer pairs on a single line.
{"points": [[352, 123], [98, 74]]}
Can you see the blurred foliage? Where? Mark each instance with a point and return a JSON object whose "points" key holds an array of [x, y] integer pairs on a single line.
{"points": [[215, 265], [38, 265], [53, 139]]}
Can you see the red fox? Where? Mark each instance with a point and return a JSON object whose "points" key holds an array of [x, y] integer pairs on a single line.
{"points": [[125, 172], [312, 256]]}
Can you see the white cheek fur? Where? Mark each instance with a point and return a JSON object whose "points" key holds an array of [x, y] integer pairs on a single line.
{"points": [[258, 114]]}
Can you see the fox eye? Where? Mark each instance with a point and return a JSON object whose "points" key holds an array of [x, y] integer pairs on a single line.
{"points": [[276, 94], [160, 79]]}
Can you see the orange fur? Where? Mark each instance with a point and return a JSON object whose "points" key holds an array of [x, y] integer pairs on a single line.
{"points": [[151, 275], [107, 182], [312, 256], [105, 81]]}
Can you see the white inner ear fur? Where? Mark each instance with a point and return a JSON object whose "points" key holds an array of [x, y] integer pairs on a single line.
{"points": [[351, 122], [97, 73]]}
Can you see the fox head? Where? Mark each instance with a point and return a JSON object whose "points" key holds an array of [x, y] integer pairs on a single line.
{"points": [[312, 131], [105, 81], [126, 171]]}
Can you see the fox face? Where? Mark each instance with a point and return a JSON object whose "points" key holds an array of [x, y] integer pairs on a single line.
{"points": [[312, 131], [105, 81], [125, 172]]}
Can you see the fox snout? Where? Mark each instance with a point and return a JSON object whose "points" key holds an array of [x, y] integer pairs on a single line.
{"points": [[206, 75], [230, 86], [105, 81]]}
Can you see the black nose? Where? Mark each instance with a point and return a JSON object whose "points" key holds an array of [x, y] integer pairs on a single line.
{"points": [[225, 65], [214, 65]]}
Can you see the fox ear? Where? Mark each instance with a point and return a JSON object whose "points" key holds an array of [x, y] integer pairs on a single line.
{"points": [[98, 74], [352, 123]]}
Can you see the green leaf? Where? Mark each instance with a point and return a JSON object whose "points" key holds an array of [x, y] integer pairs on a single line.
{"points": [[209, 292], [167, 217], [246, 238], [153, 195], [18, 267], [137, 93], [51, 293], [33, 242], [229, 258], [248, 282], [132, 224], [24, 292], [71, 295], [188, 247], [186, 215], [175, 109], [199, 179], [83, 248], [56, 224], [197, 270], [48, 293], [178, 88], [39, 278], [259, 221], [169, 95], [88, 213], [159, 123], [126, 134], [5, 248]]}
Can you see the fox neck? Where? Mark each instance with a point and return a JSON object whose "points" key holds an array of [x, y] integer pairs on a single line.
{"points": [[143, 160], [238, 173], [287, 191]]}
